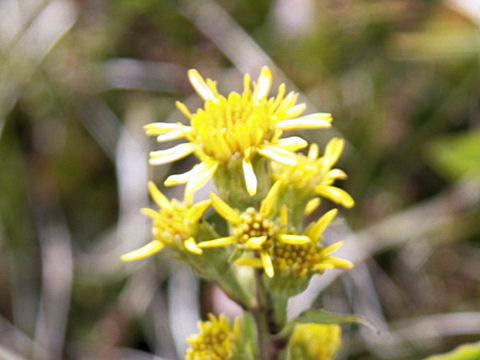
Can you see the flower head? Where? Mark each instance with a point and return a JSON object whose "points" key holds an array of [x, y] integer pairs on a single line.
{"points": [[216, 340], [174, 225], [311, 257], [254, 230], [238, 127], [315, 341], [315, 174]]}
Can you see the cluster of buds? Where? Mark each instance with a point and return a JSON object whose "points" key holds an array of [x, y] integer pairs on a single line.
{"points": [[265, 190]]}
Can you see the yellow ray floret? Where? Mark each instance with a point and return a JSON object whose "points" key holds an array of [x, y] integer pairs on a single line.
{"points": [[174, 225], [239, 126], [315, 175], [147, 250]]}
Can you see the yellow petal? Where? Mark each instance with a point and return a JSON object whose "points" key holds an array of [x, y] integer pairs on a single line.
{"points": [[319, 227], [196, 211], [201, 173], [200, 86], [218, 242], [232, 215], [294, 111], [322, 267], [152, 213], [267, 263], [175, 153], [312, 121], [212, 85], [247, 81], [292, 143], [159, 128], [334, 174], [331, 248], [255, 243], [177, 179], [151, 248], [269, 201], [183, 108], [336, 195], [312, 205], [280, 94], [263, 84], [277, 154], [253, 262], [158, 197], [313, 152], [175, 134], [333, 150], [340, 263], [192, 246], [294, 239], [250, 177]]}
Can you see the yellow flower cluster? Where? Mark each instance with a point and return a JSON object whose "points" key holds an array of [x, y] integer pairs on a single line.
{"points": [[275, 245], [243, 128], [314, 174], [238, 126], [265, 188], [315, 341], [174, 225], [216, 340]]}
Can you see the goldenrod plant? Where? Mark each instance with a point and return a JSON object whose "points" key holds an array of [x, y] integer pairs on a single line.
{"points": [[265, 190]]}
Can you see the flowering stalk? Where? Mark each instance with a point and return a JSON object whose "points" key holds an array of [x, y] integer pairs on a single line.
{"points": [[265, 188]]}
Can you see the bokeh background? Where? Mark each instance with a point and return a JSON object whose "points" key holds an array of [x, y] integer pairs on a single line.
{"points": [[79, 79]]}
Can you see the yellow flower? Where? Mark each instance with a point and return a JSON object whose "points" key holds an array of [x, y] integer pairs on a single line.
{"points": [[315, 341], [254, 230], [313, 173], [174, 225], [310, 257], [237, 126], [216, 340]]}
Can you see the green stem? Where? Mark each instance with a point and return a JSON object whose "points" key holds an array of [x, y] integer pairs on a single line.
{"points": [[260, 315]]}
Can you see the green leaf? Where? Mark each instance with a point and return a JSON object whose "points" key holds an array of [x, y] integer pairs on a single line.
{"points": [[325, 317], [456, 155], [464, 352]]}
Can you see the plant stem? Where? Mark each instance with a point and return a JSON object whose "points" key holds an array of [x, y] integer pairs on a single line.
{"points": [[260, 315]]}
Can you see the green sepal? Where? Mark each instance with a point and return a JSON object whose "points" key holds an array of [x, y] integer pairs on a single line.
{"points": [[295, 200], [246, 345], [230, 182], [463, 352], [214, 264], [287, 283], [324, 317]]}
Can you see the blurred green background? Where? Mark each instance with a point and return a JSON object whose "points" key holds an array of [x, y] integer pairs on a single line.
{"points": [[79, 79]]}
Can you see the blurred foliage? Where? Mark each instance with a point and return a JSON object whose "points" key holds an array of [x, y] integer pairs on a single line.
{"points": [[464, 352], [457, 155], [79, 79]]}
